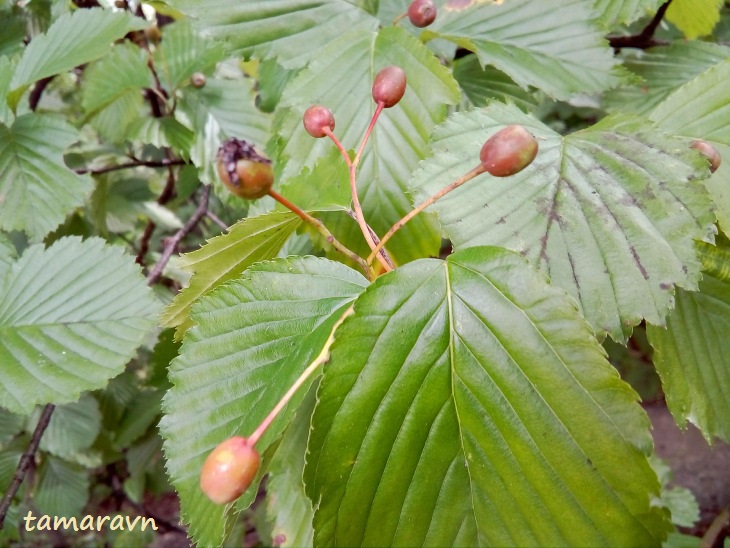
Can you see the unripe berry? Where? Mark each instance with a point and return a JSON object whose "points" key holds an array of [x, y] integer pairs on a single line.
{"points": [[229, 470], [389, 86], [316, 119], [709, 152], [246, 173], [422, 13], [197, 80], [508, 151]]}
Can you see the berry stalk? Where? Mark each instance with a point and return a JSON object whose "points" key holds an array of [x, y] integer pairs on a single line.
{"points": [[440, 194], [321, 358]]}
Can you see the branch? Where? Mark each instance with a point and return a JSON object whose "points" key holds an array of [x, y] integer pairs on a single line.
{"points": [[134, 163], [165, 196], [645, 39], [25, 461], [35, 96], [172, 243]]}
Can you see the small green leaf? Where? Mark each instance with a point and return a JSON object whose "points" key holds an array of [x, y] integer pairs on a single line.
{"points": [[610, 213], [467, 403], [12, 33], [692, 357], [37, 190], [225, 257], [72, 429], [325, 187], [694, 18], [294, 31], [62, 490], [253, 337], [483, 85], [73, 39], [10, 425], [163, 132], [71, 317], [561, 54]]}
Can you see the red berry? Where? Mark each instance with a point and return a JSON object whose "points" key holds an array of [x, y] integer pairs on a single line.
{"points": [[508, 151], [422, 13], [389, 86], [709, 152], [246, 173], [229, 470], [316, 119]]}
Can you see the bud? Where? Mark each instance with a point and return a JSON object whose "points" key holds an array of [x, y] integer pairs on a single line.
{"points": [[229, 470]]}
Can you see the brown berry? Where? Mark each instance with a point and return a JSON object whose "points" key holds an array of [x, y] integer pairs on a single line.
{"points": [[709, 152], [508, 151], [389, 86], [197, 80], [422, 13], [245, 172], [229, 470], [316, 119]]}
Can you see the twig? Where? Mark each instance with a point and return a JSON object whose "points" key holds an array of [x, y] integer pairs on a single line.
{"points": [[35, 96], [217, 220], [25, 461], [172, 242], [715, 532], [135, 163], [645, 39], [165, 196]]}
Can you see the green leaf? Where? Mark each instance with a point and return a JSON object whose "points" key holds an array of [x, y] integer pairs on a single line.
{"points": [[678, 540], [467, 403], [183, 52], [329, 176], [113, 121], [37, 190], [73, 39], [124, 70], [483, 85], [71, 317], [609, 213], [163, 132], [72, 429], [613, 12], [692, 356], [341, 79], [10, 425], [287, 506], [272, 78], [253, 338], [142, 412], [663, 70], [6, 72], [694, 18], [12, 33], [683, 506], [701, 110], [562, 54], [62, 490], [225, 257], [8, 254], [294, 31]]}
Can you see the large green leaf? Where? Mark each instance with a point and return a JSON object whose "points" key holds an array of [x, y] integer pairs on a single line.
{"points": [[609, 213], [692, 356], [253, 338], [467, 403], [701, 109], [183, 52], [294, 31], [663, 70], [123, 70], [71, 317], [37, 190], [562, 54], [341, 79], [72, 40], [225, 257]]}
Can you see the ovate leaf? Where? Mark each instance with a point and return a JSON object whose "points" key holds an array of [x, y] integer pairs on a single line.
{"points": [[294, 31], [467, 403], [73, 39], [562, 54], [692, 356], [225, 257], [701, 110], [37, 190], [341, 79], [483, 85], [252, 339], [610, 213], [71, 317]]}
